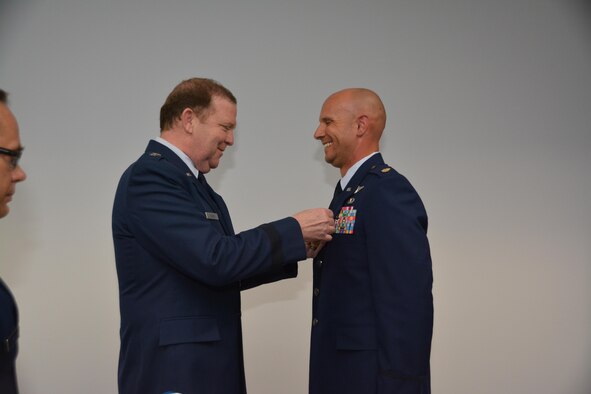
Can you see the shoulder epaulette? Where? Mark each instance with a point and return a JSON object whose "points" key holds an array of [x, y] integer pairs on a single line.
{"points": [[381, 169]]}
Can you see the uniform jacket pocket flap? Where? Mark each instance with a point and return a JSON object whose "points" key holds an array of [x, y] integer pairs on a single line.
{"points": [[188, 329], [356, 338]]}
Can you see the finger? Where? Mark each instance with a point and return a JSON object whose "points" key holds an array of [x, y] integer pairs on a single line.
{"points": [[319, 247], [309, 252]]}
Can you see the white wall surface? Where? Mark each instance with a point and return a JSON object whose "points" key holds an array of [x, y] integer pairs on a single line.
{"points": [[489, 107]]}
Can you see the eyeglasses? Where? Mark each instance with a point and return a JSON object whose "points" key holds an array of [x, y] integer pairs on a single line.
{"points": [[15, 156]]}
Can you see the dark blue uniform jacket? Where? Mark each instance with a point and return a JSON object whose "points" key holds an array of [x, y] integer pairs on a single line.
{"points": [[9, 336], [372, 303], [180, 269]]}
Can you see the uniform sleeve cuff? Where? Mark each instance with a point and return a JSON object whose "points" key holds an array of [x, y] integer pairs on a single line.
{"points": [[287, 241]]}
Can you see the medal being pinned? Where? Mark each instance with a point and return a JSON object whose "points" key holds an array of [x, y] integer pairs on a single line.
{"points": [[346, 220]]}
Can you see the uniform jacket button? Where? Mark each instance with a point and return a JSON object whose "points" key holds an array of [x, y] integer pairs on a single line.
{"points": [[316, 291], [314, 322]]}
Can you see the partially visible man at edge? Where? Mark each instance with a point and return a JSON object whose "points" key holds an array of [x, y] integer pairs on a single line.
{"points": [[372, 302], [10, 174], [180, 265]]}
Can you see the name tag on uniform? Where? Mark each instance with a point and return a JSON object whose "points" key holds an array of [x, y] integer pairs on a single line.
{"points": [[211, 216]]}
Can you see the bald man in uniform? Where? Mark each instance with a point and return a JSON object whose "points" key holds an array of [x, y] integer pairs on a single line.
{"points": [[10, 174], [372, 303]]}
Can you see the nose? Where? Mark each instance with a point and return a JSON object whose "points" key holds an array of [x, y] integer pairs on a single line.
{"points": [[319, 133], [18, 174], [230, 138]]}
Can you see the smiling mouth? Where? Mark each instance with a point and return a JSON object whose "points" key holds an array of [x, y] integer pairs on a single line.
{"points": [[327, 144]]}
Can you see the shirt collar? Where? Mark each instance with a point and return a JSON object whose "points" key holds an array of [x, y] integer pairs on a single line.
{"points": [[345, 180], [182, 155]]}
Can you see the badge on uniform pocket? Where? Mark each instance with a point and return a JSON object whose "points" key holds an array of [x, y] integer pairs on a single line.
{"points": [[346, 220]]}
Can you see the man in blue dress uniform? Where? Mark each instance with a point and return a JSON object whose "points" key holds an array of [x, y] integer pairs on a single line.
{"points": [[180, 266], [372, 316], [10, 174]]}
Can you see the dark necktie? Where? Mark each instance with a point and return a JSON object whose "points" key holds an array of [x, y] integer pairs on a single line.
{"points": [[209, 190], [337, 190], [201, 179]]}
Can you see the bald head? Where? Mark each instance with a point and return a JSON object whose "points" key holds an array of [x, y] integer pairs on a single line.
{"points": [[363, 102], [351, 124], [7, 119]]}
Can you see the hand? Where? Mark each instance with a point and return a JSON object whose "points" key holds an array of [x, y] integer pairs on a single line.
{"points": [[317, 224], [312, 248]]}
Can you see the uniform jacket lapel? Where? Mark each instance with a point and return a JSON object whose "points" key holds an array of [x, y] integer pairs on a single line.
{"points": [[218, 202], [352, 187], [213, 199]]}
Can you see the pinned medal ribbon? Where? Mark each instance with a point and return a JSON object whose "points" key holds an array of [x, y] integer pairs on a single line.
{"points": [[346, 220]]}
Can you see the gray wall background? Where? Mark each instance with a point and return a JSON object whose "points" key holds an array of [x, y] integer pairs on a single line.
{"points": [[489, 108]]}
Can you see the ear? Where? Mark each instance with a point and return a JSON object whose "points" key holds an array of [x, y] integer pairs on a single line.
{"points": [[362, 125], [187, 119]]}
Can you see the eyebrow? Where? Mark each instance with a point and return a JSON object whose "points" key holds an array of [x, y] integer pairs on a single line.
{"points": [[20, 148]]}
